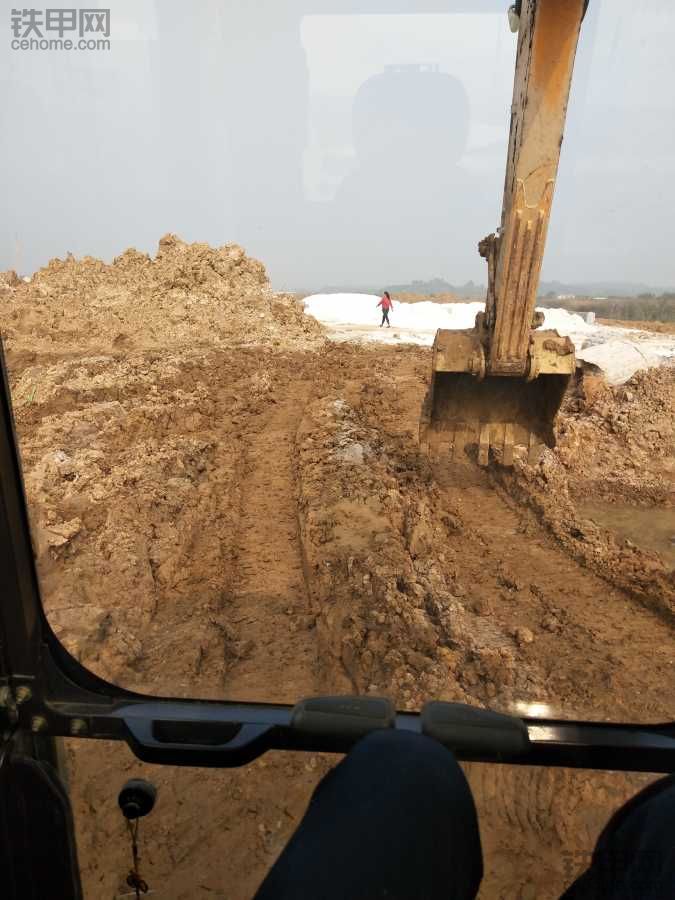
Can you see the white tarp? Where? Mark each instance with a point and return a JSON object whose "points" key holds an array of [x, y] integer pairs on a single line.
{"points": [[621, 359]]}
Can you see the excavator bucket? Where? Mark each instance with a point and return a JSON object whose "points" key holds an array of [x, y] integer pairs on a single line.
{"points": [[491, 418], [498, 387]]}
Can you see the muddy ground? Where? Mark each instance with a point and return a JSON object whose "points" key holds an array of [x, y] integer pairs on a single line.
{"points": [[226, 505]]}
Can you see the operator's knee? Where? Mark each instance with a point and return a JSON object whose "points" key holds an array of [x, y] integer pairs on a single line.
{"points": [[643, 829], [414, 772], [413, 759]]}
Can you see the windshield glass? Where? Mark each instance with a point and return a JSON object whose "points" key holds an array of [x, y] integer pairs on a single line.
{"points": [[218, 410]]}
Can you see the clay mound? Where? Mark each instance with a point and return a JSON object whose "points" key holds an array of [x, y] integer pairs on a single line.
{"points": [[189, 294], [620, 439]]}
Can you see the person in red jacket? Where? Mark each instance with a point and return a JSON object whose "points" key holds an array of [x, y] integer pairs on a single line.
{"points": [[386, 305]]}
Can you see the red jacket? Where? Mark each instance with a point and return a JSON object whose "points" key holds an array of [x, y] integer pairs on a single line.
{"points": [[385, 303]]}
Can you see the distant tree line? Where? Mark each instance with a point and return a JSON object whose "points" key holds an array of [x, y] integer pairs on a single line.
{"points": [[643, 308]]}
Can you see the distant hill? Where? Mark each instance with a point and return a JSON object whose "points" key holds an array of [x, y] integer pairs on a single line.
{"points": [[440, 286], [423, 288]]}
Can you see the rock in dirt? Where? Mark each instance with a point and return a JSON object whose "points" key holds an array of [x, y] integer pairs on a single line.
{"points": [[523, 636]]}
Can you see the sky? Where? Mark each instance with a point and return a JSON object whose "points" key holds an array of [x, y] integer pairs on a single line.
{"points": [[342, 142]]}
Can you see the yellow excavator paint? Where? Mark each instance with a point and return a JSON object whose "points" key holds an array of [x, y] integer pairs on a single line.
{"points": [[496, 388]]}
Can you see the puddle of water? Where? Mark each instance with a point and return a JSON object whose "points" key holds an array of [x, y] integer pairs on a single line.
{"points": [[649, 528]]}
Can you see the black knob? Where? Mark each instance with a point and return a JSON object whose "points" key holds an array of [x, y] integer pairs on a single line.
{"points": [[137, 798]]}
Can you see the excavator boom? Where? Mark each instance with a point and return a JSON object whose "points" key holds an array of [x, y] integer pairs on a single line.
{"points": [[498, 387]]}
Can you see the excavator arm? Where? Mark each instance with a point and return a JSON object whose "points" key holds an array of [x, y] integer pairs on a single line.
{"points": [[498, 387]]}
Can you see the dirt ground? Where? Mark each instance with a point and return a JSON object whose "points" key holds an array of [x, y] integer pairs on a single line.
{"points": [[660, 327], [227, 505]]}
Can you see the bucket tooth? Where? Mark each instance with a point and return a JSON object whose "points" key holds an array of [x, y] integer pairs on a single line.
{"points": [[484, 445], [452, 440], [459, 442], [507, 454]]}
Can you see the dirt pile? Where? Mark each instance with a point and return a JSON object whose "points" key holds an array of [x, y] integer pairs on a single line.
{"points": [[189, 295], [621, 440]]}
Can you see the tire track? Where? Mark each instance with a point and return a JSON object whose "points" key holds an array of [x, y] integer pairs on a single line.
{"points": [[269, 604]]}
